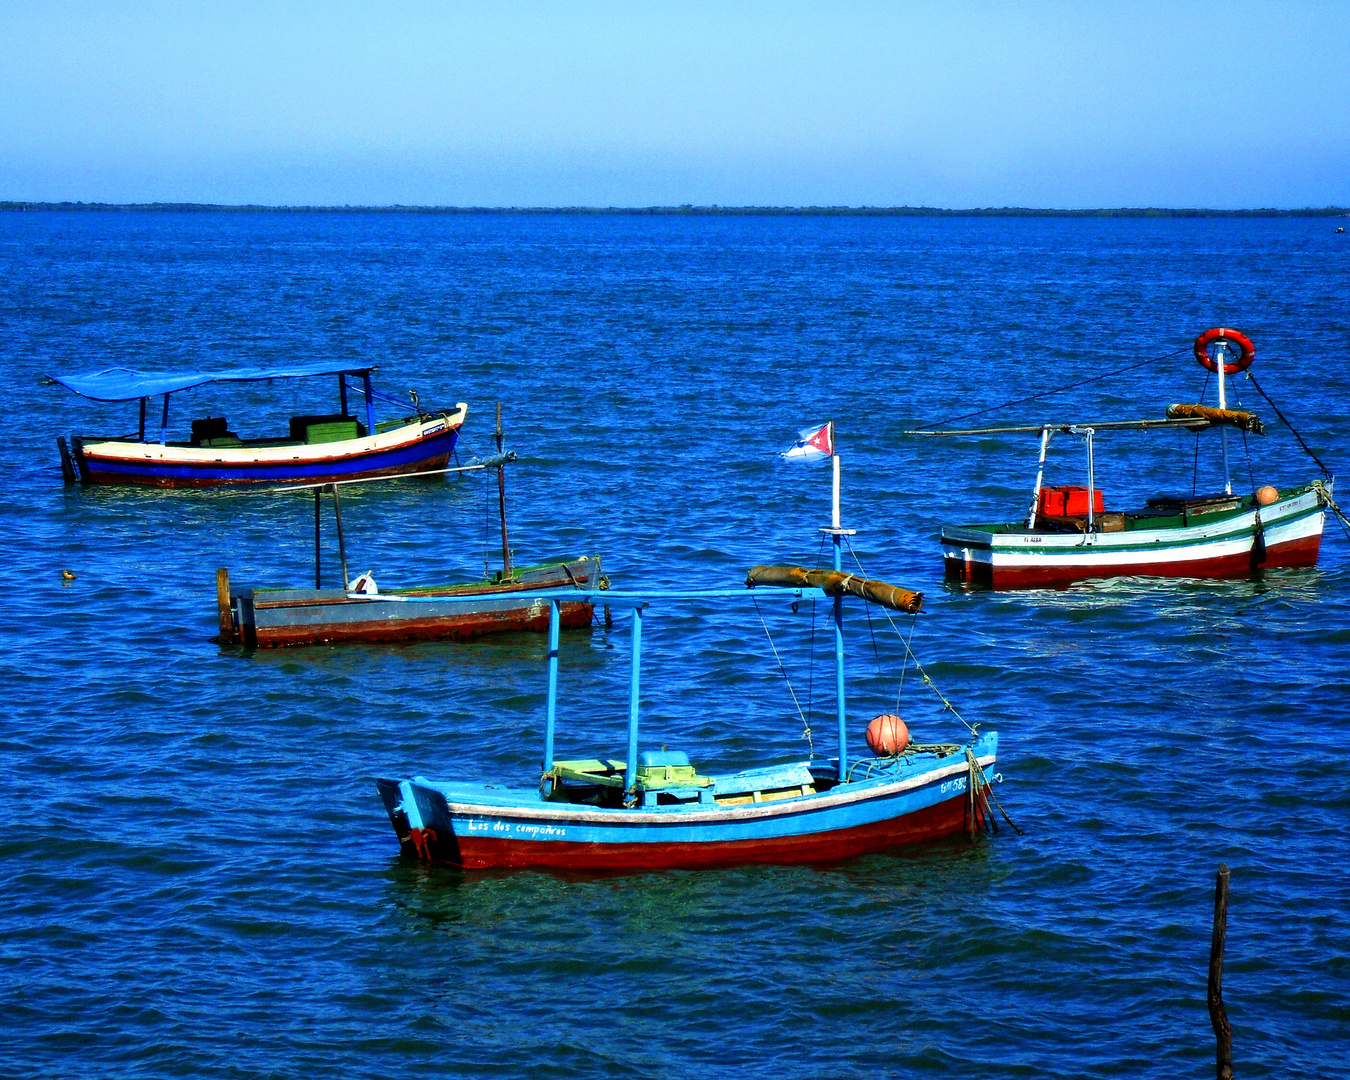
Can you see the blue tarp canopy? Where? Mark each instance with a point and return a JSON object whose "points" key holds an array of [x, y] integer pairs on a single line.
{"points": [[123, 384]]}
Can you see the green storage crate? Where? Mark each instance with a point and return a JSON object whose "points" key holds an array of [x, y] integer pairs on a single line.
{"points": [[331, 431]]}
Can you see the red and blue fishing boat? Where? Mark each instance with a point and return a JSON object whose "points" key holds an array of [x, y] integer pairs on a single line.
{"points": [[1069, 535], [316, 448], [655, 809]]}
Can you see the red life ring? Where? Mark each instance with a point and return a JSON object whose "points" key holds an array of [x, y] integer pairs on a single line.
{"points": [[1219, 333]]}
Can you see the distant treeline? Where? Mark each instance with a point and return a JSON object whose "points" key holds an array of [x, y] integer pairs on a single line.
{"points": [[696, 211]]}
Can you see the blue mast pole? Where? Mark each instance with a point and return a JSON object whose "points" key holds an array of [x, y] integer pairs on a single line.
{"points": [[838, 537], [370, 406], [554, 619], [630, 777]]}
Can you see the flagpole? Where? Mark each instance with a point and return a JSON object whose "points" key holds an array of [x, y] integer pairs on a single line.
{"points": [[838, 537]]}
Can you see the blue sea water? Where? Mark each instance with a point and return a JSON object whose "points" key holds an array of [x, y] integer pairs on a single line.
{"points": [[199, 879]]}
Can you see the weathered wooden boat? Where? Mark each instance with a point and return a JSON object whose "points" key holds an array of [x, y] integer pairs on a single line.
{"points": [[358, 610], [317, 448], [1068, 535], [264, 618], [654, 809]]}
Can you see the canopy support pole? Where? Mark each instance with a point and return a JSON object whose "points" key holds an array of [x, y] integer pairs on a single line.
{"points": [[551, 715], [1220, 358], [142, 436], [164, 422], [838, 539], [342, 548], [1046, 433], [634, 676], [342, 392], [370, 406]]}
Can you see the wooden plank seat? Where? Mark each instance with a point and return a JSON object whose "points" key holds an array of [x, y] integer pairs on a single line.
{"points": [[784, 777], [668, 775], [657, 771]]}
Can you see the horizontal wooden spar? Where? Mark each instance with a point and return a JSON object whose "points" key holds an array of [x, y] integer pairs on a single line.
{"points": [[494, 462], [837, 583], [1186, 423], [616, 597], [1243, 421]]}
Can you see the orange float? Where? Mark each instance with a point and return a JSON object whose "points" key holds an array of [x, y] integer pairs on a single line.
{"points": [[887, 734]]}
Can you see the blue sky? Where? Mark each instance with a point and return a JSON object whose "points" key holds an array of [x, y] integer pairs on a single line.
{"points": [[504, 104]]}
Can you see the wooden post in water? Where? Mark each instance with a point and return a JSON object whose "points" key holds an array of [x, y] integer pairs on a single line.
{"points": [[342, 545], [68, 473], [1223, 1030], [318, 574], [223, 604]]}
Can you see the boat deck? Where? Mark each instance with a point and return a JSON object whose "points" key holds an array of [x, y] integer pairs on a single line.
{"points": [[749, 787]]}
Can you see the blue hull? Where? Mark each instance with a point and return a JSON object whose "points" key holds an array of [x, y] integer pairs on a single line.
{"points": [[425, 454], [918, 797]]}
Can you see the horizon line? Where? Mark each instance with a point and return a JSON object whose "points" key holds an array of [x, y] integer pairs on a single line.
{"points": [[685, 209]]}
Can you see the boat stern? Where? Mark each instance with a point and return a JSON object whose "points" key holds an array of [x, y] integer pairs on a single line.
{"points": [[421, 820], [968, 553]]}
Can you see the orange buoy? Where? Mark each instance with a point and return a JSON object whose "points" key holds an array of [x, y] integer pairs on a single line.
{"points": [[1267, 495], [1223, 333], [887, 734]]}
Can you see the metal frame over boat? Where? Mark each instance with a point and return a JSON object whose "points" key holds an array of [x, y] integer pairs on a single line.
{"points": [[318, 448], [655, 810], [1067, 536]]}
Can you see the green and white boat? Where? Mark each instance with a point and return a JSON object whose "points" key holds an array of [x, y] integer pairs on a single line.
{"points": [[1068, 536]]}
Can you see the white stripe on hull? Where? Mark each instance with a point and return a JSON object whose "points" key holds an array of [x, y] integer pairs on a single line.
{"points": [[1296, 520]]}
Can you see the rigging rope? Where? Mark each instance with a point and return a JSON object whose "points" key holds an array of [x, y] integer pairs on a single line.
{"points": [[986, 789], [918, 667], [1320, 487], [905, 666], [1056, 390], [806, 724], [1325, 471], [811, 684], [1195, 465]]}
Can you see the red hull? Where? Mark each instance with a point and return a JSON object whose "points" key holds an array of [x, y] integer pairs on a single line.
{"points": [[947, 818], [1302, 552], [452, 628]]}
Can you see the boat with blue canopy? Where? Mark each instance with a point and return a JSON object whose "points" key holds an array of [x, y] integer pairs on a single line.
{"points": [[318, 448], [656, 809]]}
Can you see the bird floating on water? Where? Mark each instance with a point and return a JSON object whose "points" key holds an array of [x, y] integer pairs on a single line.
{"points": [[67, 575]]}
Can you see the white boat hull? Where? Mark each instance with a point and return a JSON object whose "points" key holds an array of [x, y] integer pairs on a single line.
{"points": [[1221, 545]]}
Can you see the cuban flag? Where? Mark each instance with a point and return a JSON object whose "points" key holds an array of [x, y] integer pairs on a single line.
{"points": [[813, 445]]}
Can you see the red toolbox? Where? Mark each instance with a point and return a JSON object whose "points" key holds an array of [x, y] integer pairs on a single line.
{"points": [[1068, 501]]}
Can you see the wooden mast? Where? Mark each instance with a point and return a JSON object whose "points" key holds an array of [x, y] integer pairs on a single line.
{"points": [[501, 499]]}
